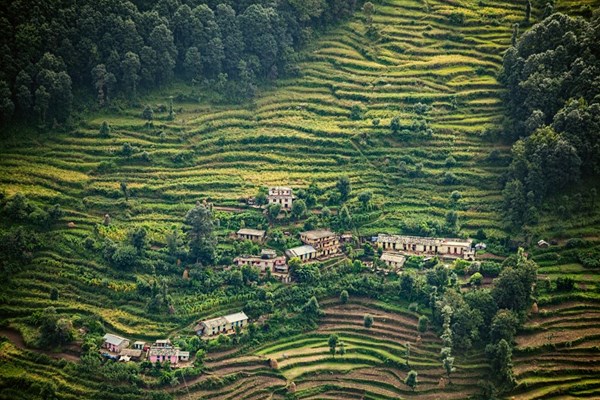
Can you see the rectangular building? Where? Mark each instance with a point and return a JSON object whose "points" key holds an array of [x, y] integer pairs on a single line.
{"points": [[255, 235], [443, 247], [392, 260], [221, 325], [304, 253], [282, 196], [115, 343], [325, 242]]}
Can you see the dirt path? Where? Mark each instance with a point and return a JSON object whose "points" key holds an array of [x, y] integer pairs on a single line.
{"points": [[16, 339]]}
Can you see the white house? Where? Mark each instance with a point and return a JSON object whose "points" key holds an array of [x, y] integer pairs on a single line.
{"points": [[393, 260], [304, 253]]}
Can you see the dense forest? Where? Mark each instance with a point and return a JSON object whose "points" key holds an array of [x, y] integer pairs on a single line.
{"points": [[51, 50], [553, 79]]}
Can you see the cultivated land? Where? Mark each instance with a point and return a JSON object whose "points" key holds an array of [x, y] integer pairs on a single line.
{"points": [[292, 134]]}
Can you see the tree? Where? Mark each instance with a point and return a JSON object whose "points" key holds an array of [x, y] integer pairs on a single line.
{"points": [[125, 190], [476, 279], [344, 217], [7, 107], [311, 308], [54, 294], [54, 329], [192, 64], [201, 240], [452, 221], [528, 11], [125, 257], [448, 365], [368, 320], [365, 197], [273, 211], [515, 35], [423, 324], [395, 125], [139, 239], [500, 356], [130, 66], [411, 380], [333, 340], [356, 112], [407, 353], [514, 286], [342, 349], [368, 9], [148, 114], [298, 208], [104, 129], [344, 297], [344, 188], [42, 102], [504, 326]]}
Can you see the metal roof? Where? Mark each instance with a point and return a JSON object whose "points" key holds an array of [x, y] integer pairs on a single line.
{"points": [[301, 250], [114, 339]]}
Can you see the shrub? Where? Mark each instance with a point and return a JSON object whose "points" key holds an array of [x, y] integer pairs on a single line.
{"points": [[368, 320], [565, 284], [344, 297], [476, 279], [423, 323], [490, 269]]}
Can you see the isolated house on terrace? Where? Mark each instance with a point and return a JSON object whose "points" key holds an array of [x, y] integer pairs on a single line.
{"points": [[221, 325], [115, 343], [255, 235], [282, 196]]}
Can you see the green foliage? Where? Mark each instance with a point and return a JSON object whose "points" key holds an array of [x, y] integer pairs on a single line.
{"points": [[200, 234], [411, 379], [504, 326], [368, 320], [423, 324], [344, 296], [344, 188]]}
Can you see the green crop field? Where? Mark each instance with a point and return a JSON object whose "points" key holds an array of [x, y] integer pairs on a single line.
{"points": [[295, 132]]}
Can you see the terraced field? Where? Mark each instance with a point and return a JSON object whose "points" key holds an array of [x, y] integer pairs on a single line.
{"points": [[374, 365], [295, 132], [558, 356], [292, 134]]}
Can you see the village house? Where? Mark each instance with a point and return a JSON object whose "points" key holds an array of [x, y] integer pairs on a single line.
{"points": [[115, 343], [221, 325], [139, 345], [543, 244], [130, 354], [162, 354], [163, 343], [392, 260], [450, 248], [267, 261], [304, 253], [325, 242], [254, 235], [281, 195]]}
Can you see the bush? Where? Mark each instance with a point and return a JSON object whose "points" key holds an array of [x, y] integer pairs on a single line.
{"points": [[589, 258], [476, 279], [368, 321], [490, 269], [423, 323], [565, 284], [344, 297]]}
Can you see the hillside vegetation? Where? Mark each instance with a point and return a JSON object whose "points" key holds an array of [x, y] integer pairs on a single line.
{"points": [[404, 101]]}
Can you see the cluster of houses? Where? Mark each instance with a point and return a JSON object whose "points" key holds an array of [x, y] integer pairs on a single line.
{"points": [[319, 245], [117, 348]]}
